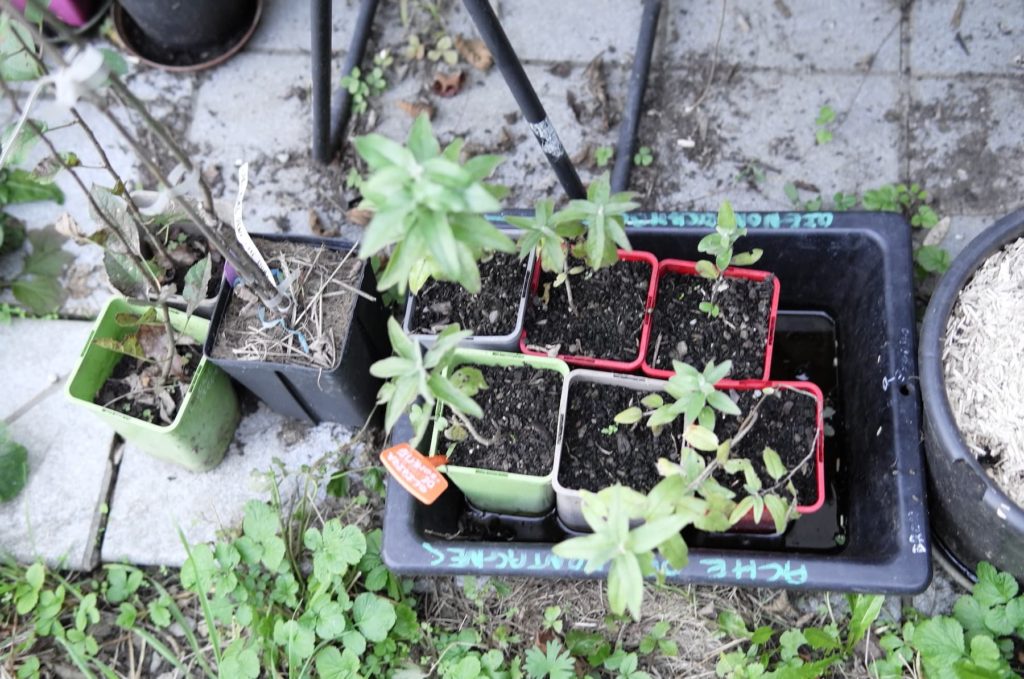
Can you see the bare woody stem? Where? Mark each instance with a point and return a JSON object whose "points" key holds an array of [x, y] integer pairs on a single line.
{"points": [[109, 223], [465, 422], [216, 232]]}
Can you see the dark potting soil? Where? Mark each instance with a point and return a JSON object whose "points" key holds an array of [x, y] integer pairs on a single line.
{"points": [[490, 312], [597, 453], [116, 386], [608, 315], [786, 422], [240, 323], [170, 56], [680, 331], [520, 408]]}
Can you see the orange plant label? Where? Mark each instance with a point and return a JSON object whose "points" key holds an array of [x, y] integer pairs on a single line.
{"points": [[415, 472]]}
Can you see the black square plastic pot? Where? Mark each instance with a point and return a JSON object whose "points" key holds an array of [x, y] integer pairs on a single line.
{"points": [[344, 394], [849, 273]]}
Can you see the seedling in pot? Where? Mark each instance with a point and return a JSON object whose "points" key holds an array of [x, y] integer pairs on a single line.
{"points": [[413, 375], [721, 245], [427, 210], [628, 525], [591, 230]]}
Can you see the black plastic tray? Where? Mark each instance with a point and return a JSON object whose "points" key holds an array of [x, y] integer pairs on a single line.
{"points": [[853, 270]]}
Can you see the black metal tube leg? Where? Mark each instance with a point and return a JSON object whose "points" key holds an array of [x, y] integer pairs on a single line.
{"points": [[320, 26], [529, 103], [341, 107], [635, 96]]}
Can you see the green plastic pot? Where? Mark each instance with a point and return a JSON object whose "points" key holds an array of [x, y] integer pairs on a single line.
{"points": [[205, 423], [494, 491]]}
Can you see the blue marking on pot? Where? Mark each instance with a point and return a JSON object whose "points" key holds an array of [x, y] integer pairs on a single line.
{"points": [[706, 220], [510, 558]]}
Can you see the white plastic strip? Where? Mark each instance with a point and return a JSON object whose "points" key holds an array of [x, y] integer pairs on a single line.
{"points": [[240, 233]]}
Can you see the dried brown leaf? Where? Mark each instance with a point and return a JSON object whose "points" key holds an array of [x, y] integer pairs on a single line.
{"points": [[475, 52], [448, 84], [358, 216], [316, 225], [415, 108]]}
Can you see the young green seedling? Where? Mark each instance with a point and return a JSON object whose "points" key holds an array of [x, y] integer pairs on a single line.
{"points": [[549, 235], [413, 375], [720, 244], [687, 495], [602, 214], [427, 209]]}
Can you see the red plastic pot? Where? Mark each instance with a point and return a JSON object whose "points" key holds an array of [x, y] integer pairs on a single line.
{"points": [[688, 268], [599, 363], [766, 524]]}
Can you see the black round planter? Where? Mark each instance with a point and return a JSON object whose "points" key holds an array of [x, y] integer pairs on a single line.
{"points": [[186, 34], [970, 515]]}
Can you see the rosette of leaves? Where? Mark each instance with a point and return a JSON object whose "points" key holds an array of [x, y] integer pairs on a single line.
{"points": [[721, 243], [601, 215], [548, 233], [413, 375], [427, 209]]}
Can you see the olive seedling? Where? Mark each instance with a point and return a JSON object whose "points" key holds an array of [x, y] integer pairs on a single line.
{"points": [[628, 525], [413, 375], [591, 230], [720, 244], [428, 210]]}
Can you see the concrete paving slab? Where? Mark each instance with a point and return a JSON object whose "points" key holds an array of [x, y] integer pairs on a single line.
{"points": [[486, 115], [153, 499], [989, 38], [966, 141], [285, 26], [56, 515], [765, 120], [802, 35], [963, 229]]}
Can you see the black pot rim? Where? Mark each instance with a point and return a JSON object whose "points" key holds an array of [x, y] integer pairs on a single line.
{"points": [[118, 13], [939, 416]]}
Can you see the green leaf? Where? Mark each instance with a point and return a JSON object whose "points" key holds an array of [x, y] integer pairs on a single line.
{"points": [[334, 664], [723, 404], [298, 642], [864, 611], [124, 275], [625, 585], [700, 437], [773, 464], [114, 62], [993, 587], [706, 269], [447, 392], [652, 400], [932, 258], [940, 640], [820, 640], [373, 616], [726, 216], [261, 522], [653, 533], [27, 137], [197, 281], [48, 257], [22, 186], [742, 509], [15, 63], [778, 509], [629, 416]]}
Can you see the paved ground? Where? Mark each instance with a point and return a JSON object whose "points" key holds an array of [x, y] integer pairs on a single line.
{"points": [[922, 92]]}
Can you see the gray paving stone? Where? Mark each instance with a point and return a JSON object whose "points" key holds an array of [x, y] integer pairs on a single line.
{"points": [[966, 142], [963, 229], [285, 26], [152, 499], [992, 34], [804, 35], [765, 119], [56, 515], [486, 115]]}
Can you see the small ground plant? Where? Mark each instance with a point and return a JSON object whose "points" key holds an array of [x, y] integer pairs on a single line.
{"points": [[414, 375]]}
